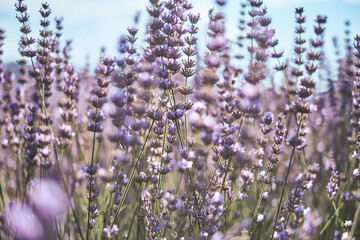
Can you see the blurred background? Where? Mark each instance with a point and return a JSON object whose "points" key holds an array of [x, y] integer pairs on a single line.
{"points": [[93, 24]]}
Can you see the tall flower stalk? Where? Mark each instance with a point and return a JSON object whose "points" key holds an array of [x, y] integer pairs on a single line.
{"points": [[97, 116], [302, 107]]}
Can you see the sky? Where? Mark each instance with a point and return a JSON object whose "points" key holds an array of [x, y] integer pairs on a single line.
{"points": [[92, 24]]}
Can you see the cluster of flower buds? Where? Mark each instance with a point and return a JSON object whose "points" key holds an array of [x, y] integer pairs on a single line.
{"points": [[333, 185], [152, 224], [119, 177], [31, 157], [123, 118], [170, 203], [155, 38], [296, 72], [58, 59], [17, 110], [346, 70], [289, 224], [25, 41], [186, 162], [216, 44], [97, 114], [11, 112], [44, 139], [211, 215], [23, 70], [44, 75], [110, 233], [246, 179], [90, 170], [260, 34], [307, 84], [242, 35], [68, 110], [189, 51], [276, 147], [124, 79], [263, 140], [212, 202], [2, 67], [355, 120]]}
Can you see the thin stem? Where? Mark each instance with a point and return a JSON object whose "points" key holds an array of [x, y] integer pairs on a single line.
{"points": [[73, 209], [286, 179], [219, 160], [132, 220], [162, 152], [336, 213], [127, 187], [178, 129], [18, 185], [90, 183], [142, 188], [257, 205], [214, 172], [222, 188], [354, 222], [2, 196], [182, 222], [68, 197], [342, 183], [231, 201], [176, 191]]}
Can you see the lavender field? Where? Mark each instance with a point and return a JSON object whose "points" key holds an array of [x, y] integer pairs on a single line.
{"points": [[170, 138]]}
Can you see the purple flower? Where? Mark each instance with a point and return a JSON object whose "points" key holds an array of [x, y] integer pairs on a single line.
{"points": [[184, 165], [48, 198], [25, 223], [260, 218], [217, 44]]}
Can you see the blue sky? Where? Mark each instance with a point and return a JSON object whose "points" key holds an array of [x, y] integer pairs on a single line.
{"points": [[92, 24]]}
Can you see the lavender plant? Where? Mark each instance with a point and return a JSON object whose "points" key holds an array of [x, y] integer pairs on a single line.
{"points": [[181, 136]]}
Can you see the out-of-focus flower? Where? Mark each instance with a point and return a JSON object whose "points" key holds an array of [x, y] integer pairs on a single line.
{"points": [[348, 223], [356, 174], [184, 165], [48, 198], [25, 223], [260, 218]]}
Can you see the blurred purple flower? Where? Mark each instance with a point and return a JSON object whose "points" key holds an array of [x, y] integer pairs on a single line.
{"points": [[48, 198], [25, 223]]}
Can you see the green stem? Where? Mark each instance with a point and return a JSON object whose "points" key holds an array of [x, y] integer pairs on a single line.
{"points": [[18, 185], [231, 201], [283, 192], [2, 196], [182, 222], [127, 187], [68, 197], [162, 152], [286, 179], [336, 213], [219, 160], [176, 191], [257, 206], [214, 172], [132, 220], [355, 220], [90, 183]]}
